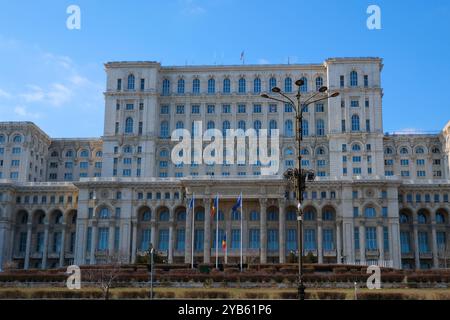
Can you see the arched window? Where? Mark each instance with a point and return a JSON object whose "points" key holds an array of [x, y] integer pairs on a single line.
{"points": [[272, 83], [309, 215], [435, 150], [225, 126], [320, 127], [369, 212], [164, 153], [235, 215], [422, 218], [58, 218], [211, 86], [181, 216], [199, 216], [328, 215], [99, 154], [180, 88], [211, 125], [272, 126], [2, 139], [320, 151], [129, 125], [356, 147], [69, 153], [440, 218], [404, 218], [288, 85], [241, 87], [272, 215], [288, 128], [353, 79], [104, 213], [420, 150], [257, 85], [164, 132], [304, 152], [355, 123], [164, 215], [180, 125], [196, 86], [257, 125], [304, 87], [289, 152], [84, 154], [291, 215], [147, 215], [241, 125], [17, 138], [388, 151], [305, 128], [404, 150], [131, 82], [319, 83], [226, 86], [127, 149], [54, 154]]}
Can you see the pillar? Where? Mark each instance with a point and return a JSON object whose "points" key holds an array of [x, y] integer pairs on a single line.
{"points": [[134, 241], [263, 230], [188, 237], [282, 230], [380, 243], [93, 242], [362, 243], [28, 248], [319, 242], [111, 236], [416, 246], [207, 232], [338, 242], [45, 249], [435, 246]]}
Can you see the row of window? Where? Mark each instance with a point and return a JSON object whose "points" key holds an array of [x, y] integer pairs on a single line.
{"points": [[71, 165], [71, 153], [425, 198], [15, 139], [406, 162], [43, 199], [423, 239], [56, 243], [406, 150]]}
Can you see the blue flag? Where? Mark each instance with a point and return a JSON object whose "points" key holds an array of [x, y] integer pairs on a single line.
{"points": [[238, 203], [192, 202]]}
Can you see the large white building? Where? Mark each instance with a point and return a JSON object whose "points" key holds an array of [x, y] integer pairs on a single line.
{"points": [[377, 198]]}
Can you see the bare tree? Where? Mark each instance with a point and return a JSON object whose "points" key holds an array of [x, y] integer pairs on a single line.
{"points": [[105, 275]]}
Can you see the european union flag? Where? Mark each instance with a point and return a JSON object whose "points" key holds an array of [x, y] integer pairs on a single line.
{"points": [[238, 203]]}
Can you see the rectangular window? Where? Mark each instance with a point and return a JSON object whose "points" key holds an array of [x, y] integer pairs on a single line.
{"points": [[272, 108], [164, 109], [241, 108], [320, 107], [235, 238], [291, 240], [385, 212], [180, 239], [226, 108], [129, 106], [145, 239], [366, 81], [343, 125], [423, 242], [116, 238], [355, 212], [288, 108], [371, 238], [254, 238], [195, 109], [272, 239], [163, 239], [405, 242], [180, 109], [198, 239], [367, 125], [356, 237], [328, 240], [366, 103], [342, 81], [119, 84], [256, 108], [211, 109], [354, 103], [142, 84], [386, 238]]}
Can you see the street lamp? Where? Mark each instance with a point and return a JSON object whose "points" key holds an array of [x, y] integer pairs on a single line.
{"points": [[151, 251], [298, 176]]}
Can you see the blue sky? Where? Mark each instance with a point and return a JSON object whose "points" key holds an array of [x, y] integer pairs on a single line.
{"points": [[54, 76]]}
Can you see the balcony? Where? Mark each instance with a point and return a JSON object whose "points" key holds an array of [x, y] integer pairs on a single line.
{"points": [[329, 253], [425, 255], [372, 253]]}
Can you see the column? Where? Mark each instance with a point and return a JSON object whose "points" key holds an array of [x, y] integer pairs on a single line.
{"points": [[435, 246], [338, 242], [362, 243], [111, 236], [188, 237], [380, 243], [416, 246], [28, 249], [319, 242], [63, 245], [263, 230], [207, 231], [171, 241], [45, 249], [282, 230], [2, 244], [11, 242], [134, 241], [93, 242], [394, 234], [153, 234]]}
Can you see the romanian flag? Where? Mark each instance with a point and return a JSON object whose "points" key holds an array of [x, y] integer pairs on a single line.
{"points": [[224, 243], [215, 205]]}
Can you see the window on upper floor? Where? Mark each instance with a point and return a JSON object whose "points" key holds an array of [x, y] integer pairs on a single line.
{"points": [[353, 79], [211, 86], [288, 85], [166, 87], [226, 86], [180, 86], [355, 123], [320, 127], [319, 83], [272, 83], [257, 85], [196, 86], [241, 85], [304, 86], [131, 81], [129, 125]]}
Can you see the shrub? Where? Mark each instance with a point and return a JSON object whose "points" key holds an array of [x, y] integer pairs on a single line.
{"points": [[385, 296], [12, 294], [194, 294], [330, 295], [256, 295], [133, 294]]}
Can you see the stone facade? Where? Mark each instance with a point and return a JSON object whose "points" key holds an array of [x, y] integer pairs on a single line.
{"points": [[377, 198]]}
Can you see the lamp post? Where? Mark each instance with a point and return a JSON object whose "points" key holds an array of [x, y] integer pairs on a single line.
{"points": [[151, 251], [298, 176]]}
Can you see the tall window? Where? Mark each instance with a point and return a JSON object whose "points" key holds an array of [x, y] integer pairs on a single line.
{"points": [[241, 125], [211, 86], [405, 242], [328, 242], [198, 239], [235, 238], [272, 239], [164, 130], [196, 86], [129, 125], [254, 238], [103, 236], [291, 239], [272, 126], [320, 127], [305, 128], [304, 87], [163, 239], [288, 85], [225, 126], [180, 89], [423, 242], [272, 83], [166, 87], [319, 83], [310, 239], [131, 82], [57, 242], [145, 239], [226, 86], [371, 238], [210, 125], [257, 85], [241, 87], [355, 123], [353, 79], [288, 128], [180, 239], [370, 212], [257, 125]]}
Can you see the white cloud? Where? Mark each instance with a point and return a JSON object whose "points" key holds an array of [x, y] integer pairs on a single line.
{"points": [[62, 61], [4, 94], [23, 112], [56, 95], [263, 61], [410, 131]]}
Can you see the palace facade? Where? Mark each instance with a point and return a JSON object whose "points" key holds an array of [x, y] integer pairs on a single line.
{"points": [[376, 199]]}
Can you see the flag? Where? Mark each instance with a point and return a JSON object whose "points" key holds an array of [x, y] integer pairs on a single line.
{"points": [[238, 203], [192, 202], [242, 55], [224, 242], [215, 205]]}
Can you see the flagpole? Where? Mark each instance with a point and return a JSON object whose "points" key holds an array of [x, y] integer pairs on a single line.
{"points": [[192, 231], [217, 233], [242, 219], [226, 247]]}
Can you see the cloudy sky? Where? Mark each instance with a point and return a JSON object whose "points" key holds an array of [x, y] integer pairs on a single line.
{"points": [[54, 76]]}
